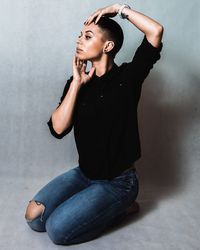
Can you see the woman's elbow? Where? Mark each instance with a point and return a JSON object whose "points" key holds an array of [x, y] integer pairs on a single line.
{"points": [[56, 125], [159, 30], [58, 130]]}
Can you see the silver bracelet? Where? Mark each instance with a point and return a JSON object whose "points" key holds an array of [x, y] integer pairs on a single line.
{"points": [[123, 16]]}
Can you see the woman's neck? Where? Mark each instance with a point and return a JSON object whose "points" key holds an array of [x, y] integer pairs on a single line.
{"points": [[102, 66]]}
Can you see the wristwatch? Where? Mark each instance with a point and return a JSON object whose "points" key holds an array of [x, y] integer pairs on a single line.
{"points": [[121, 14]]}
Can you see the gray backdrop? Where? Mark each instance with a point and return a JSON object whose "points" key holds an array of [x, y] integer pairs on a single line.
{"points": [[37, 44]]}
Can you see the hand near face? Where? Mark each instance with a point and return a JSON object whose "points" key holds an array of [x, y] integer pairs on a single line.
{"points": [[79, 74]]}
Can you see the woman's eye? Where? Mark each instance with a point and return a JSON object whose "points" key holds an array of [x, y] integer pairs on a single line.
{"points": [[87, 37]]}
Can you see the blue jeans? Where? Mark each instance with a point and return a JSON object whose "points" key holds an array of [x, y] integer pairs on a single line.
{"points": [[78, 209]]}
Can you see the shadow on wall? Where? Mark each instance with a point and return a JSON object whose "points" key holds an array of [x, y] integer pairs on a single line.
{"points": [[166, 124]]}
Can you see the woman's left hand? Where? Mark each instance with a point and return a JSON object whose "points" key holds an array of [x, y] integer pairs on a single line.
{"points": [[109, 11]]}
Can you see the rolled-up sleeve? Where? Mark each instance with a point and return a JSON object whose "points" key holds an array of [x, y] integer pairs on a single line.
{"points": [[50, 124], [143, 60]]}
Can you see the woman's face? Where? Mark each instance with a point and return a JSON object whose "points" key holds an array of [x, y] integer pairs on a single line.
{"points": [[90, 43]]}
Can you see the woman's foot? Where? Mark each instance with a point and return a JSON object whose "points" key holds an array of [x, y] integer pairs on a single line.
{"points": [[133, 208]]}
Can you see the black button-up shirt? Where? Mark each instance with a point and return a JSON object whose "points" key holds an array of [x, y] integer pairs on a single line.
{"points": [[105, 116]]}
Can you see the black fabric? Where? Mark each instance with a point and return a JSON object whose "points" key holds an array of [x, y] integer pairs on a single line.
{"points": [[50, 124], [105, 117]]}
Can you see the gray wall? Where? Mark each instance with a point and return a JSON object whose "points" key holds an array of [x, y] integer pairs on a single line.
{"points": [[37, 41]]}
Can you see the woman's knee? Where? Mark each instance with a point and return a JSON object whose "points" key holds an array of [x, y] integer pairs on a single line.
{"points": [[53, 229], [57, 231], [33, 210], [33, 215], [61, 234]]}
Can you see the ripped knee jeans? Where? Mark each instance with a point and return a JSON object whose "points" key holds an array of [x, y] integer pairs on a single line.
{"points": [[78, 209]]}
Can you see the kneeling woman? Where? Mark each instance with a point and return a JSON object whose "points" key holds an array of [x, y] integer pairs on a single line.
{"points": [[101, 106]]}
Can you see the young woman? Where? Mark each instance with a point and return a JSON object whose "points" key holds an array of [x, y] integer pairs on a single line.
{"points": [[101, 106]]}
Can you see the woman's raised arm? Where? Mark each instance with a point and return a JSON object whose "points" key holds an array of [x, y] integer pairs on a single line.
{"points": [[151, 28]]}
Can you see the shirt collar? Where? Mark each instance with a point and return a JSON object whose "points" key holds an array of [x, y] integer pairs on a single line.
{"points": [[109, 74]]}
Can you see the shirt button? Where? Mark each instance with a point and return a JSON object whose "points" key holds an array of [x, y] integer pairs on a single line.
{"points": [[101, 96], [120, 84]]}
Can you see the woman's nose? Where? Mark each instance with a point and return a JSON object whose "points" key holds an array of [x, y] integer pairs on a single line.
{"points": [[78, 41]]}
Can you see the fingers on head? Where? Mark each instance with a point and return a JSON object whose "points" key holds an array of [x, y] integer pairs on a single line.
{"points": [[92, 17]]}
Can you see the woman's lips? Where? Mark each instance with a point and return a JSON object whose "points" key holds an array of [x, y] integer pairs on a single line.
{"points": [[78, 50]]}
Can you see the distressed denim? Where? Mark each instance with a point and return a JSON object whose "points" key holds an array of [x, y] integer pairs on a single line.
{"points": [[78, 209]]}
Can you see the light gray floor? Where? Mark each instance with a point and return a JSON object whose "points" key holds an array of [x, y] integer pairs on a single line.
{"points": [[169, 219]]}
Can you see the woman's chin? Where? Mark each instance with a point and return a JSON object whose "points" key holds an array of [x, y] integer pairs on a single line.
{"points": [[80, 56]]}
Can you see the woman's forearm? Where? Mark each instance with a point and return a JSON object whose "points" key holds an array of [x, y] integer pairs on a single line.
{"points": [[151, 28], [62, 116]]}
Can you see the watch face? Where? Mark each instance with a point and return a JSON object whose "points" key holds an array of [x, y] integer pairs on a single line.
{"points": [[122, 15]]}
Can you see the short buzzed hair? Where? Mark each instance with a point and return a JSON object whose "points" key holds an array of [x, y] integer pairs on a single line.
{"points": [[114, 32]]}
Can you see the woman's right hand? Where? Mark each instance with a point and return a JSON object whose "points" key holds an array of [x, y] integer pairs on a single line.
{"points": [[79, 67]]}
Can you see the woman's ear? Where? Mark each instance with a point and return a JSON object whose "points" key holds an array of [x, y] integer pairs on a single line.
{"points": [[108, 46]]}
